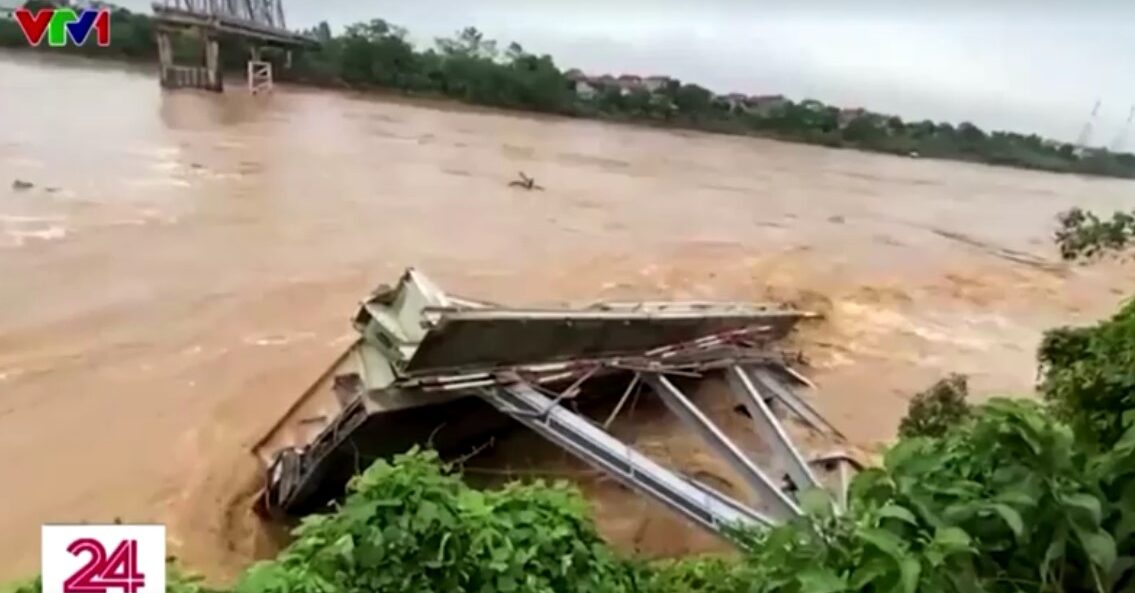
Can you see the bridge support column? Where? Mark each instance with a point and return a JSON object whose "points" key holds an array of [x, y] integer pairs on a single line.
{"points": [[259, 73], [214, 77], [173, 76], [165, 59]]}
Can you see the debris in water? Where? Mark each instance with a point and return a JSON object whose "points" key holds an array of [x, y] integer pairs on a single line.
{"points": [[528, 183], [20, 184], [440, 352]]}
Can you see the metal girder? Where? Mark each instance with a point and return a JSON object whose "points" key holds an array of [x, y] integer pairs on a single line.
{"points": [[697, 502], [783, 506], [766, 379], [769, 428], [268, 13]]}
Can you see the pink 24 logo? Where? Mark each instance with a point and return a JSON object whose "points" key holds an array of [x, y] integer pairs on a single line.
{"points": [[103, 558]]}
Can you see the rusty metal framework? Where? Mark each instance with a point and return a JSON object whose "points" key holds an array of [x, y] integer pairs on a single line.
{"points": [[431, 367], [266, 13]]}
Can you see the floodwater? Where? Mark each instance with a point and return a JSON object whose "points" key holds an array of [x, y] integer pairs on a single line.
{"points": [[186, 263]]}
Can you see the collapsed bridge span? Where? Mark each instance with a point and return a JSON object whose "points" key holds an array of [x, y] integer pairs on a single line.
{"points": [[429, 367]]}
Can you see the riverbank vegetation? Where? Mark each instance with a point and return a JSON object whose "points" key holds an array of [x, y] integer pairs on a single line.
{"points": [[1004, 497], [468, 67], [1084, 235]]}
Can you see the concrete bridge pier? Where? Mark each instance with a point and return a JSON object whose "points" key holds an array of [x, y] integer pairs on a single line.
{"points": [[207, 76], [215, 80]]}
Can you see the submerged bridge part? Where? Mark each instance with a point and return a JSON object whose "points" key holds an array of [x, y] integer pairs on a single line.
{"points": [[429, 367]]}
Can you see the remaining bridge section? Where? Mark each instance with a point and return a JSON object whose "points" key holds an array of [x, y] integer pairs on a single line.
{"points": [[261, 22]]}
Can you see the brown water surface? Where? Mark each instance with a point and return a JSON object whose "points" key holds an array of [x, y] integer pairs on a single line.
{"points": [[186, 263]]}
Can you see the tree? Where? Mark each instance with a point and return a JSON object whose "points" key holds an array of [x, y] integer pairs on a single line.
{"points": [[863, 130], [970, 133], [693, 100], [896, 126], [469, 42], [638, 102], [922, 129], [938, 409]]}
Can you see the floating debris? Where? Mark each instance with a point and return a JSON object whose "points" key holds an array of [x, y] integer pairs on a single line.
{"points": [[526, 182], [20, 184]]}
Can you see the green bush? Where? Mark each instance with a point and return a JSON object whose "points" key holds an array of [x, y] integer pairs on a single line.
{"points": [[1084, 235], [1088, 375], [408, 526], [934, 411]]}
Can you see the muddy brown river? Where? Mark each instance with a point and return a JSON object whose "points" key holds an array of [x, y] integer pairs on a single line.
{"points": [[186, 263]]}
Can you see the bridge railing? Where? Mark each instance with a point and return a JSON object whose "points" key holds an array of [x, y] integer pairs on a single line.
{"points": [[266, 13]]}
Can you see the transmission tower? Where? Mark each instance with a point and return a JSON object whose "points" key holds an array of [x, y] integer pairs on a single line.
{"points": [[1086, 131], [1121, 139]]}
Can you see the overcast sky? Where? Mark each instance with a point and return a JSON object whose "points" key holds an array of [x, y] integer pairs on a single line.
{"points": [[1036, 65]]}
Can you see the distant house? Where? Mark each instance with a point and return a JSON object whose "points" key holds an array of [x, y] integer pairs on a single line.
{"points": [[584, 90], [732, 101], [812, 105], [581, 84], [846, 116], [630, 80], [765, 105], [629, 83], [654, 84]]}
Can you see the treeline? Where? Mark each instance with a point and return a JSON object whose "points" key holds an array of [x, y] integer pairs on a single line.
{"points": [[470, 68]]}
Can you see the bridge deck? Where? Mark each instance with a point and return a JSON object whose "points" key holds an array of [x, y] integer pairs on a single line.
{"points": [[227, 24]]}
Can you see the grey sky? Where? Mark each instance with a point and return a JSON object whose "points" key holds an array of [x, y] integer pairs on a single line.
{"points": [[1026, 66]]}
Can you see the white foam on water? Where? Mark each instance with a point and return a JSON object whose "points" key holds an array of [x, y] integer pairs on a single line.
{"points": [[277, 339], [343, 339], [18, 231], [12, 373], [150, 182]]}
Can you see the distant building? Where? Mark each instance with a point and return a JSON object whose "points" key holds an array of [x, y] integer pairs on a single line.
{"points": [[656, 83], [812, 105], [846, 116], [732, 101], [765, 105], [6, 13], [629, 83], [585, 90], [581, 84], [604, 81]]}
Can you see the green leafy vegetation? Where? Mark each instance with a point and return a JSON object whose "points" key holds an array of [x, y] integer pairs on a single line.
{"points": [[468, 67], [936, 410], [1084, 235], [1088, 375], [409, 526]]}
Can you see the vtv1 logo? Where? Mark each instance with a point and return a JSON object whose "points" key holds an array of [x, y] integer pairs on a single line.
{"points": [[61, 24], [103, 558]]}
